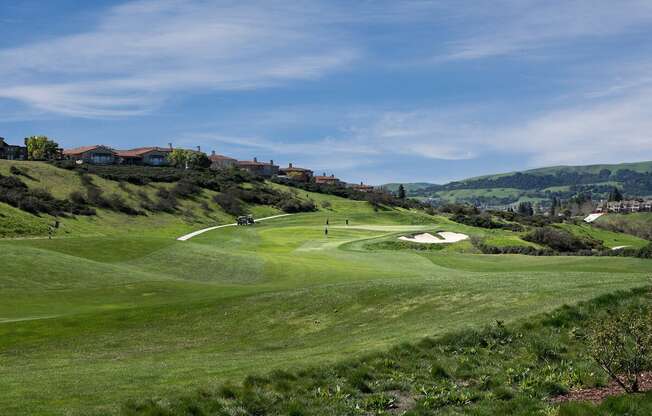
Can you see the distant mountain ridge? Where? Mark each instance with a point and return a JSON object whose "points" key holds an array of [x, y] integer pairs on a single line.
{"points": [[541, 184]]}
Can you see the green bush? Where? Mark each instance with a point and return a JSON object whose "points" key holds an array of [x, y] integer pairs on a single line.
{"points": [[622, 346]]}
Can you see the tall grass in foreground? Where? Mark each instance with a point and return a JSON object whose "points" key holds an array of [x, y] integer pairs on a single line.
{"points": [[498, 370]]}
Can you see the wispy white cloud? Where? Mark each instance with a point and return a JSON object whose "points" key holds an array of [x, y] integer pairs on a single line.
{"points": [[614, 130], [510, 27], [595, 130], [143, 51]]}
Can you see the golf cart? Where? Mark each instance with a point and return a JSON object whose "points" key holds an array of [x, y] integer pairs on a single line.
{"points": [[246, 220]]}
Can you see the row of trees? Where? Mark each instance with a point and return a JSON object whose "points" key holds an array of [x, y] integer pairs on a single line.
{"points": [[188, 159]]}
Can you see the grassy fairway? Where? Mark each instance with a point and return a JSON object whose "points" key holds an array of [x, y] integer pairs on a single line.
{"points": [[88, 321]]}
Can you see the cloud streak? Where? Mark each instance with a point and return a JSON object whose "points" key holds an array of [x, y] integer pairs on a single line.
{"points": [[600, 130], [513, 27], [125, 67]]}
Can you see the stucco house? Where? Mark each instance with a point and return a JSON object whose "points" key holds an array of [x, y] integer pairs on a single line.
{"points": [[12, 152], [327, 180], [96, 154], [296, 174], [266, 170], [363, 188], [150, 156], [221, 162]]}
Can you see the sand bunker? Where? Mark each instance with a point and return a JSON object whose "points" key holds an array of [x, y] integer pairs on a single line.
{"points": [[443, 237], [593, 217]]}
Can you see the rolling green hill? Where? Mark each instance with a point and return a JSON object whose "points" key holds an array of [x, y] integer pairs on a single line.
{"points": [[113, 309], [540, 185]]}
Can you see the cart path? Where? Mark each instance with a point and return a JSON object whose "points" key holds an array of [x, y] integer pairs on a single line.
{"points": [[202, 231]]}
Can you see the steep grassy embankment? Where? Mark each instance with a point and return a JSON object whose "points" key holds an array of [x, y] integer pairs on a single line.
{"points": [[114, 308]]}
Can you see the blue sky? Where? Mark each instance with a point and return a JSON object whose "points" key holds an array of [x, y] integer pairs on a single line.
{"points": [[372, 91]]}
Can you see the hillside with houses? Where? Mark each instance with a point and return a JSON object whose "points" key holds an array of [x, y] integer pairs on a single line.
{"points": [[169, 156]]}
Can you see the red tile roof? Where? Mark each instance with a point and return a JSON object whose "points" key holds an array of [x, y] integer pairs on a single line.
{"points": [[84, 149], [253, 163], [140, 151], [294, 169], [216, 158]]}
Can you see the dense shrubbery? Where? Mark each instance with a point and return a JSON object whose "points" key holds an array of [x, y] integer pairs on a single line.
{"points": [[296, 205], [230, 203], [142, 175], [561, 240], [137, 175], [15, 170], [458, 209], [232, 200], [643, 253], [15, 192], [188, 184], [499, 370], [527, 220], [625, 224], [377, 199], [485, 221], [403, 245], [526, 250], [95, 197]]}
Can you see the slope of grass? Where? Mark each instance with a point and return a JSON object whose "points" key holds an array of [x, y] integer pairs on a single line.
{"points": [[17, 223], [493, 371], [610, 239], [638, 224], [113, 307]]}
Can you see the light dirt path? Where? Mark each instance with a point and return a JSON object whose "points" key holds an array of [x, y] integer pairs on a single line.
{"points": [[202, 231]]}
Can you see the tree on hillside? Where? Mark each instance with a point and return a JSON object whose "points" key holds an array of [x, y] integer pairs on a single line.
{"points": [[41, 148], [615, 195], [525, 208], [188, 159], [401, 191], [555, 207]]}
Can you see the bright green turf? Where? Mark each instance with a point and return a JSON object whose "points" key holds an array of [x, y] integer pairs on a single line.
{"points": [[609, 238], [116, 308]]}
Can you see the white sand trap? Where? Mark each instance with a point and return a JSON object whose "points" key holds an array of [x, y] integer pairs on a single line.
{"points": [[593, 217], [444, 237], [619, 247]]}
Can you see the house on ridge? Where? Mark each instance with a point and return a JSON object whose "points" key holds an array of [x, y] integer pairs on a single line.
{"points": [[327, 180], [12, 152], [95, 155], [296, 174], [363, 188], [266, 170], [149, 156], [221, 162]]}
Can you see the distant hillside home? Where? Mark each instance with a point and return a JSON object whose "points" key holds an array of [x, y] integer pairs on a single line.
{"points": [[12, 152], [327, 180], [266, 170], [221, 162], [150, 156], [296, 174], [633, 205], [95, 155], [363, 188]]}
